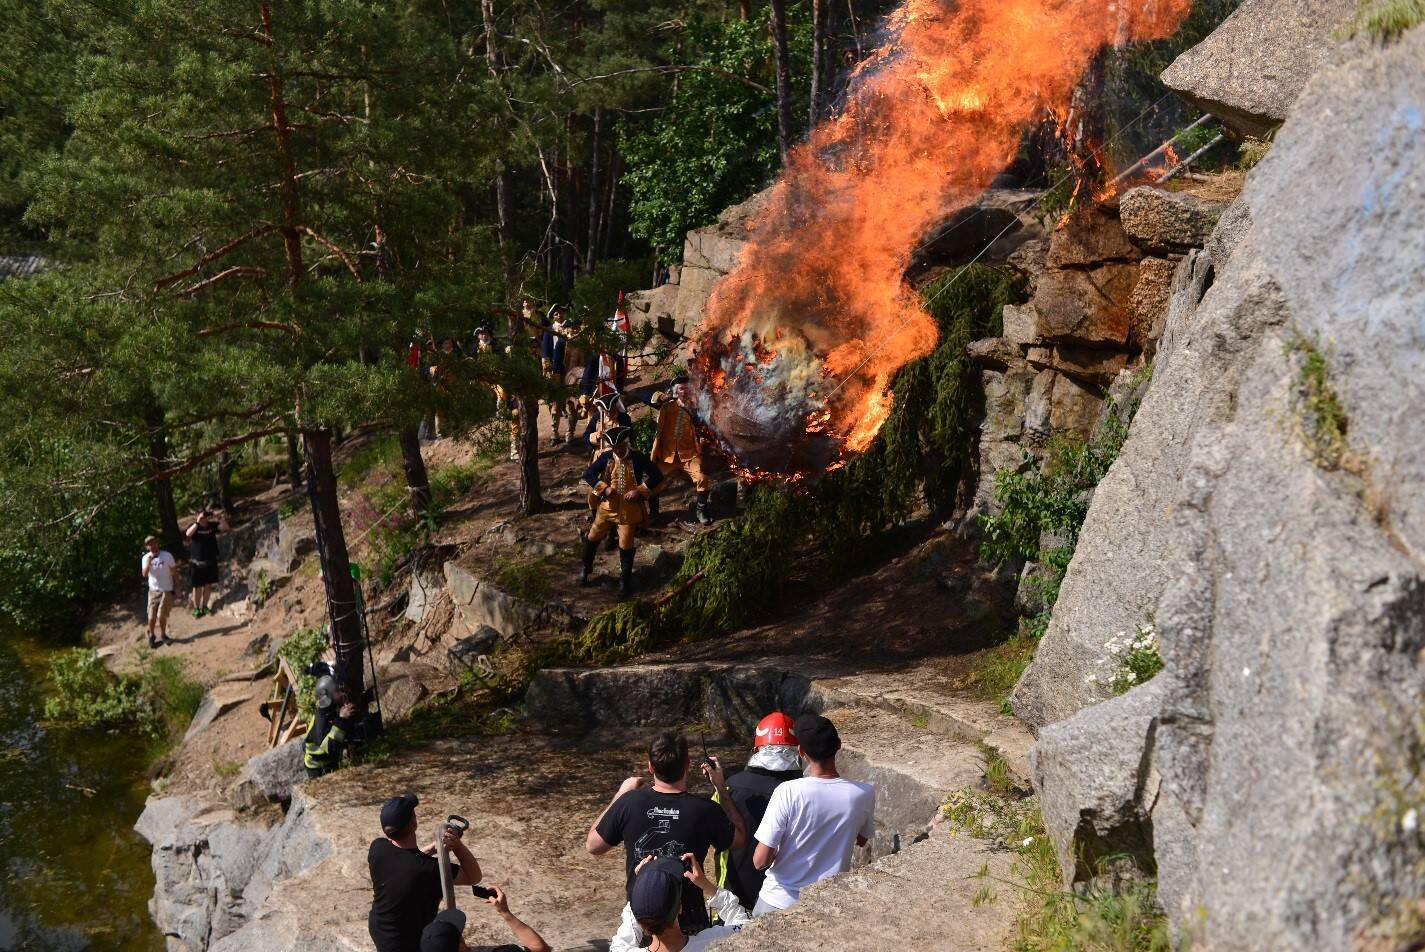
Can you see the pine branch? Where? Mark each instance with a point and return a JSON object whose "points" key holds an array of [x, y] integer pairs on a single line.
{"points": [[292, 329], [331, 246], [676, 69], [212, 256], [221, 276]]}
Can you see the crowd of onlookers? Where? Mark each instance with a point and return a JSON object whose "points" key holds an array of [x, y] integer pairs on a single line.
{"points": [[697, 869]]}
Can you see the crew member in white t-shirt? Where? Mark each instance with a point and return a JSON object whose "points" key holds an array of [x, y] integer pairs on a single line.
{"points": [[157, 567], [811, 824]]}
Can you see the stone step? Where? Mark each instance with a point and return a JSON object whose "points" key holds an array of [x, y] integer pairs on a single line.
{"points": [[730, 698], [923, 897]]}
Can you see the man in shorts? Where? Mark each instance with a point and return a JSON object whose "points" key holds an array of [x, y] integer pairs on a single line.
{"points": [[157, 568]]}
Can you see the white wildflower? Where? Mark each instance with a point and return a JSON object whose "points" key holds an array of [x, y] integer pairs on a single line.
{"points": [[1246, 672], [1031, 839], [1411, 821]]}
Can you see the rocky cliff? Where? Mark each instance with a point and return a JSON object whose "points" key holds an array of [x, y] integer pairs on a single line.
{"points": [[1267, 514]]}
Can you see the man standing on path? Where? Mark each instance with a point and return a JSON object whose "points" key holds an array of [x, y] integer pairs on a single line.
{"points": [[677, 449], [405, 879], [157, 569], [622, 480], [553, 344], [203, 533], [774, 761], [811, 824], [666, 820]]}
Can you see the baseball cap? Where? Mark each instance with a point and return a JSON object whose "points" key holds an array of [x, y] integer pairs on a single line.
{"points": [[444, 932], [398, 811], [658, 890], [817, 736], [775, 728]]}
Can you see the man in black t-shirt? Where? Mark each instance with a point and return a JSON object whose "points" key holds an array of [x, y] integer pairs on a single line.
{"points": [[666, 820], [405, 879], [203, 534]]}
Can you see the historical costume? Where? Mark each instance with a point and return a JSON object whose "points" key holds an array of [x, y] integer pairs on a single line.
{"points": [[678, 449], [622, 481]]}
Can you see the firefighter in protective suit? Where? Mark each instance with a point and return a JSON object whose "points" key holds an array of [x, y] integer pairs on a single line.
{"points": [[677, 449], [622, 480], [321, 752]]}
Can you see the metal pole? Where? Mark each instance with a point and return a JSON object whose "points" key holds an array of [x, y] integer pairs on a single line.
{"points": [[1159, 150], [447, 884], [1183, 165]]}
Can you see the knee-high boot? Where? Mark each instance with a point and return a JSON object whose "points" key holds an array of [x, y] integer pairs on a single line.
{"points": [[589, 549], [625, 564]]}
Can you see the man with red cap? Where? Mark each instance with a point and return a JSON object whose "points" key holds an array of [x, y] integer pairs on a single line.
{"points": [[774, 761]]}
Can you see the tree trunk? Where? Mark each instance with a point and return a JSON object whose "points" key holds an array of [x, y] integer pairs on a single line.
{"points": [[224, 474], [818, 42], [591, 252], [778, 13], [531, 501], [294, 460], [417, 480], [746, 9], [614, 170], [1086, 126], [163, 488], [341, 589]]}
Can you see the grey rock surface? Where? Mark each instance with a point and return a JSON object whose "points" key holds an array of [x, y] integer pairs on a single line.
{"points": [[1091, 772], [1250, 71], [1165, 222], [1288, 592], [270, 777]]}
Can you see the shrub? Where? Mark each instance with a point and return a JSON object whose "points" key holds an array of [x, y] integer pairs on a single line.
{"points": [[1134, 660], [301, 651], [1096, 920], [1323, 418], [158, 700]]}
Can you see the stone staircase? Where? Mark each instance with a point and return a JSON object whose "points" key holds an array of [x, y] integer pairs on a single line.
{"points": [[902, 731]]}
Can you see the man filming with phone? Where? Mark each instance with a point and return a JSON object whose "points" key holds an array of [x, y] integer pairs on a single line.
{"points": [[664, 819]]}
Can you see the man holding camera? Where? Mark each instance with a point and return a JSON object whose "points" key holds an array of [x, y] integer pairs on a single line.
{"points": [[405, 879], [157, 567], [650, 919], [447, 932], [666, 820], [203, 534]]}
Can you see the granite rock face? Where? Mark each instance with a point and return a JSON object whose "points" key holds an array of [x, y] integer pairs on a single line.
{"points": [[1250, 71], [1278, 751]]}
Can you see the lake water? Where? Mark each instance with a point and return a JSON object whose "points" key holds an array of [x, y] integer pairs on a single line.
{"points": [[73, 873]]}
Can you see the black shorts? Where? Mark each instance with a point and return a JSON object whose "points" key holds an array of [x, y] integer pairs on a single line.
{"points": [[205, 573]]}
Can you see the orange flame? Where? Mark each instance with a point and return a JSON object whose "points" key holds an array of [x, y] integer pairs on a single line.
{"points": [[929, 120]]}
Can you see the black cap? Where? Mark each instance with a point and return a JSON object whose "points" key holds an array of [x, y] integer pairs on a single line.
{"points": [[817, 736], [444, 932], [615, 435], [397, 812], [658, 891]]}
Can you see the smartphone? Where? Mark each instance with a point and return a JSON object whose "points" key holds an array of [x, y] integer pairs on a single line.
{"points": [[482, 892]]}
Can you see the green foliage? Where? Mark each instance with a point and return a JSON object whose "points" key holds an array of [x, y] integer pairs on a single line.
{"points": [[716, 143], [301, 651], [380, 453], [1323, 418], [227, 769], [1042, 509], [1002, 820], [157, 700], [1135, 660], [1385, 20], [1096, 920], [645, 431]]}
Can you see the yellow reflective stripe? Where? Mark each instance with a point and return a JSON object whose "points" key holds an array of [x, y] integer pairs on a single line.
{"points": [[322, 750]]}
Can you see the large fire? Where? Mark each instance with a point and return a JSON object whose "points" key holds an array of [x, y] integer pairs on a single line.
{"points": [[803, 338]]}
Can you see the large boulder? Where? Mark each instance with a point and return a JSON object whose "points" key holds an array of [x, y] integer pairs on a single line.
{"points": [[1281, 556], [270, 777], [1249, 72]]}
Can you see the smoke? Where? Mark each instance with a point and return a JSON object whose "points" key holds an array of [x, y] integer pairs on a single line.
{"points": [[802, 339]]}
